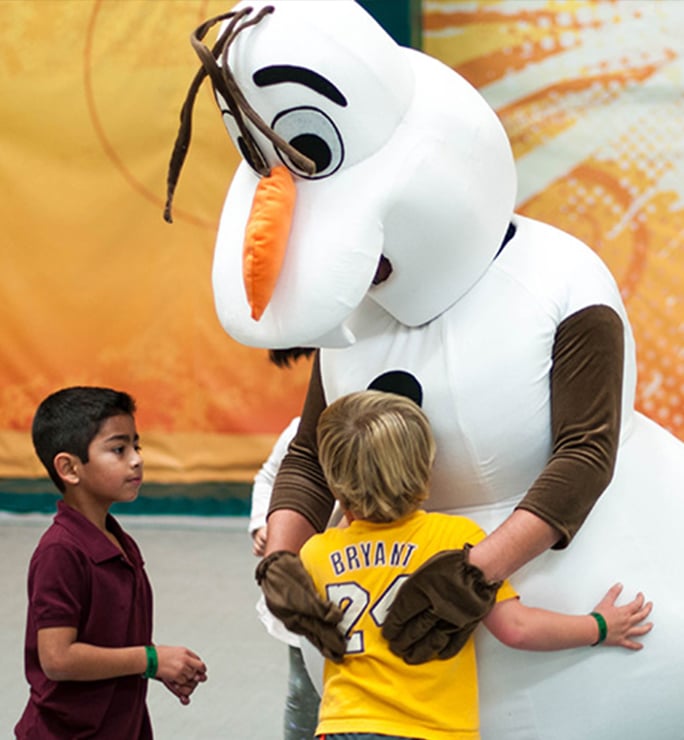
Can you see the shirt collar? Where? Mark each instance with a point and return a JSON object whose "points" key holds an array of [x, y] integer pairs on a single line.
{"points": [[98, 547]]}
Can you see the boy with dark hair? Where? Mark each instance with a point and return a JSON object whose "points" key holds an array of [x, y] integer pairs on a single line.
{"points": [[89, 649]]}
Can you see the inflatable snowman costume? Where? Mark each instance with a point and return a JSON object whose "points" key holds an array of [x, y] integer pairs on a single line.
{"points": [[404, 259]]}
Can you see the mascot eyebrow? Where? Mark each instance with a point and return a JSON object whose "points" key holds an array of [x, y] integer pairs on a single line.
{"points": [[275, 74], [224, 83]]}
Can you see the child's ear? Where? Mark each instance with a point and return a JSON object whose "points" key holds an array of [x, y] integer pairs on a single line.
{"points": [[66, 467]]}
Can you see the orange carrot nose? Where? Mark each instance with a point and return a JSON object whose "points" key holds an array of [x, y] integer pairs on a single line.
{"points": [[266, 235]]}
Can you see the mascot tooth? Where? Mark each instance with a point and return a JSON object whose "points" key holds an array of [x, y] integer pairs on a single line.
{"points": [[404, 259]]}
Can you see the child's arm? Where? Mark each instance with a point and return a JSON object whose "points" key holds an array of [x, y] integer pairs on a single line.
{"points": [[63, 658], [529, 628]]}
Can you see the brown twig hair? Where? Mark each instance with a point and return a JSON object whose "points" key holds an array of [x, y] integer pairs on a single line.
{"points": [[224, 83]]}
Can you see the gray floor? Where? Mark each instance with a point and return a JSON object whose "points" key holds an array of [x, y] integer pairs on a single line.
{"points": [[202, 575]]}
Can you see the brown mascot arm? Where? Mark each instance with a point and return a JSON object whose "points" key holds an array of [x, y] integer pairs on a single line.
{"points": [[301, 503], [300, 506], [586, 396]]}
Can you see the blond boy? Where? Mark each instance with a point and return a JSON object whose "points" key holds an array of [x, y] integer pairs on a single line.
{"points": [[376, 450]]}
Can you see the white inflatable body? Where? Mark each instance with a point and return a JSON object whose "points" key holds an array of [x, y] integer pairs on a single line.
{"points": [[486, 392], [420, 171]]}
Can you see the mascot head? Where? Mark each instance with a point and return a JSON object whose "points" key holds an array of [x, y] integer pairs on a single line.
{"points": [[370, 170]]}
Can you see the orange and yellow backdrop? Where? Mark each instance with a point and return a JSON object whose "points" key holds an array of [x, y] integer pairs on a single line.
{"points": [[592, 97], [97, 289]]}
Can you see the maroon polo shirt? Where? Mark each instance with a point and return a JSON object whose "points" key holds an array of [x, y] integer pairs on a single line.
{"points": [[78, 578]]}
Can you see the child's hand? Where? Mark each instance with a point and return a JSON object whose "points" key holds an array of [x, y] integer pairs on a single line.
{"points": [[183, 691], [624, 622], [181, 670], [259, 541]]}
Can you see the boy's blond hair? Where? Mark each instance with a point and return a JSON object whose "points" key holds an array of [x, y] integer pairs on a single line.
{"points": [[376, 450]]}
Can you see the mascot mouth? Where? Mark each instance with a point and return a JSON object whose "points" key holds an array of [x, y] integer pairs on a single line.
{"points": [[383, 271]]}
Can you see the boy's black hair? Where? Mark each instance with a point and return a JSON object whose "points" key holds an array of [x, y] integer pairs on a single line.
{"points": [[285, 357], [69, 419]]}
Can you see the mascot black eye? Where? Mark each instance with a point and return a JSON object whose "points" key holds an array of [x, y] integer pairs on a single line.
{"points": [[314, 134], [235, 135], [246, 154]]}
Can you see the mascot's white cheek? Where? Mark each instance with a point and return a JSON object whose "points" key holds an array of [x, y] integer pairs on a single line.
{"points": [[332, 261]]}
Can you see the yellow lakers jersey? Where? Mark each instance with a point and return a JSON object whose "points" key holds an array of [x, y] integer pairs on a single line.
{"points": [[372, 690]]}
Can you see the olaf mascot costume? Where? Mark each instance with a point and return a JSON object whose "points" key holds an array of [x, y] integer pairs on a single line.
{"points": [[404, 260]]}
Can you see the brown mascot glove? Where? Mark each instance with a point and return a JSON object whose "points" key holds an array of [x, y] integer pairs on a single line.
{"points": [[438, 607], [291, 596]]}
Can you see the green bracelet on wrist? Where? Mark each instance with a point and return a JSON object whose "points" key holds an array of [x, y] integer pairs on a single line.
{"points": [[152, 662], [602, 627]]}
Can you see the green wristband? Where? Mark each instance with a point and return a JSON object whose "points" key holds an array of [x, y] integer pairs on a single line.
{"points": [[602, 627], [152, 662]]}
